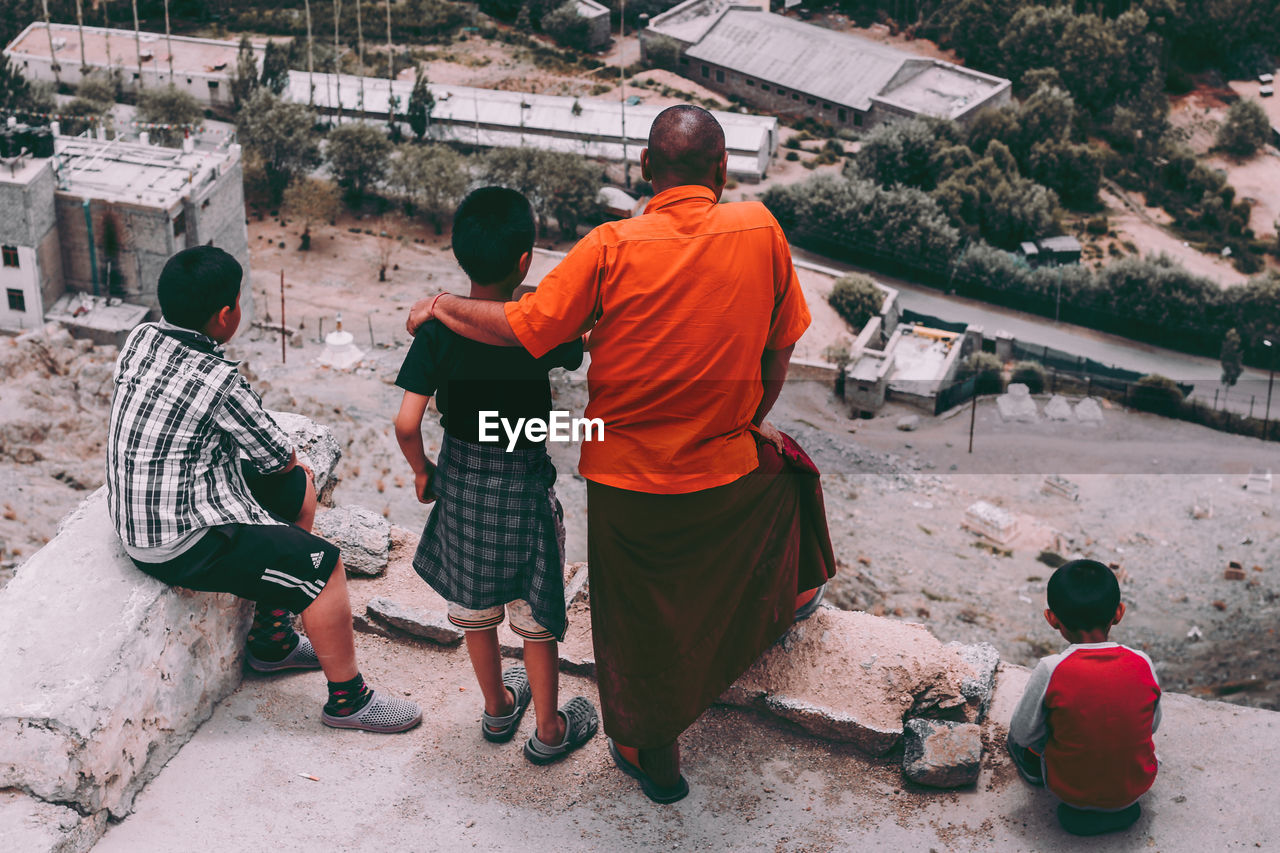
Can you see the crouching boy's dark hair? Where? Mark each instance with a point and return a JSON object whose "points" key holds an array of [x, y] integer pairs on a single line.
{"points": [[493, 227], [1084, 595], [196, 284]]}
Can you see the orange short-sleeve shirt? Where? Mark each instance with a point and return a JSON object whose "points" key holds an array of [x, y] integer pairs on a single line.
{"points": [[681, 303]]}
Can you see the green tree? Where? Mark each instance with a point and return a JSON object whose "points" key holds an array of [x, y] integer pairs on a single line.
{"points": [[311, 201], [275, 68], [358, 155], [1232, 358], [559, 185], [282, 136], [662, 52], [14, 88], [431, 178], [990, 199], [1073, 171], [421, 104], [1246, 129], [245, 80], [988, 369], [169, 105], [92, 105], [566, 26], [856, 298], [1029, 373], [1157, 394], [974, 28], [904, 152]]}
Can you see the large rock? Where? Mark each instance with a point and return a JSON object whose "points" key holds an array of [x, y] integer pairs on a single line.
{"points": [[28, 825], [363, 535], [316, 447], [853, 677], [427, 626], [106, 672], [1088, 411], [1058, 409], [984, 660], [942, 754]]}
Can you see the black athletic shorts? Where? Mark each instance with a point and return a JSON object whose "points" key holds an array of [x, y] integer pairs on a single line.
{"points": [[278, 565]]}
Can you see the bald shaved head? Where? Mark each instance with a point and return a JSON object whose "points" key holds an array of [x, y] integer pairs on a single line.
{"points": [[686, 146]]}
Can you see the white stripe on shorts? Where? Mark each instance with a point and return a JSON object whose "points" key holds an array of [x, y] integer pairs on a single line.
{"points": [[278, 577]]}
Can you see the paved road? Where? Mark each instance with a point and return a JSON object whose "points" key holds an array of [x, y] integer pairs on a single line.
{"points": [[1203, 373]]}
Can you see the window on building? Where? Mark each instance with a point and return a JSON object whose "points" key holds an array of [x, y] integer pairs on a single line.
{"points": [[812, 102], [781, 91], [684, 60], [857, 119], [180, 223], [795, 96], [17, 300], [213, 84], [764, 87], [706, 72], [10, 255], [750, 82], [719, 76], [188, 80], [136, 75], [844, 116], [825, 105]]}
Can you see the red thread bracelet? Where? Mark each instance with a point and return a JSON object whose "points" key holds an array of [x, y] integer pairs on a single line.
{"points": [[431, 312]]}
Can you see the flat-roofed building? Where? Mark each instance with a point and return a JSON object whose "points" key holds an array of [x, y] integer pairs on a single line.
{"points": [[203, 68], [102, 217], [789, 67], [599, 27], [491, 118]]}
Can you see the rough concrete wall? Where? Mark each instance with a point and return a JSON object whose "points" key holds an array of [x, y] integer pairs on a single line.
{"points": [[145, 242], [217, 215], [599, 32], [49, 254], [96, 700], [26, 210], [769, 102]]}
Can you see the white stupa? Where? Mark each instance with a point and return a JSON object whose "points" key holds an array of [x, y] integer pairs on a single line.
{"points": [[340, 350]]}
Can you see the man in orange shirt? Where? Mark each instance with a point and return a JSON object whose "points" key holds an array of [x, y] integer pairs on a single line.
{"points": [[700, 534]]}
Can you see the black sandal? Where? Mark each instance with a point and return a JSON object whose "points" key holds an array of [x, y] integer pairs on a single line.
{"points": [[663, 794], [503, 729], [580, 724]]}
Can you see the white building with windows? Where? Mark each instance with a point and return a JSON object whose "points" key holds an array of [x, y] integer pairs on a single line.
{"points": [[85, 233], [66, 53]]}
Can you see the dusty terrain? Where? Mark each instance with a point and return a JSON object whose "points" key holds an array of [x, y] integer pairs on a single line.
{"points": [[895, 500]]}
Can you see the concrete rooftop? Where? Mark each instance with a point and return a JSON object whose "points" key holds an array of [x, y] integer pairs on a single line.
{"points": [[103, 47], [757, 783], [129, 172]]}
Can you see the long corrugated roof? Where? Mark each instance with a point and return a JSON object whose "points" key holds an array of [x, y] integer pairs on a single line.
{"points": [[836, 67]]}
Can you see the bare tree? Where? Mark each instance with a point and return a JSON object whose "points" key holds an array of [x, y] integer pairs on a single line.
{"points": [[390, 239]]}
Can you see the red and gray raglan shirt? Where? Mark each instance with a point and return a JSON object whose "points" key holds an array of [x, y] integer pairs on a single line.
{"points": [[1090, 712]]}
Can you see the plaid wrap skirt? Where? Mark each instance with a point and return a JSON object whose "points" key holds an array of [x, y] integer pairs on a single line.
{"points": [[496, 531]]}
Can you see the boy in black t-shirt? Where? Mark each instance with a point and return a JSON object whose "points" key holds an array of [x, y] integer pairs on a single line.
{"points": [[495, 536]]}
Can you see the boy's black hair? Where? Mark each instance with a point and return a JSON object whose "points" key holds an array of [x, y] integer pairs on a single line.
{"points": [[493, 227], [196, 284], [1084, 595]]}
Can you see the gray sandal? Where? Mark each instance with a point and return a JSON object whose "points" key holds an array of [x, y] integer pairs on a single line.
{"points": [[385, 714], [580, 724], [503, 729], [303, 656]]}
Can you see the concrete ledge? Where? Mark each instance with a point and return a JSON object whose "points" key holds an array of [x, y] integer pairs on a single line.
{"points": [[31, 826], [107, 672]]}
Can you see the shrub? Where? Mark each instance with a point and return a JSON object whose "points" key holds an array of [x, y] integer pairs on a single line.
{"points": [[793, 156], [988, 370], [1098, 225], [793, 143], [856, 299], [1158, 394], [1031, 374], [1246, 129]]}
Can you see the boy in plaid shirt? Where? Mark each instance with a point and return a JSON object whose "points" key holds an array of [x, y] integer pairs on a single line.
{"points": [[495, 537], [206, 491]]}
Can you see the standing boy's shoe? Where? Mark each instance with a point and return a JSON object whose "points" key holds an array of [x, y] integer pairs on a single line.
{"points": [[502, 729], [1084, 822], [580, 724], [303, 656], [382, 713]]}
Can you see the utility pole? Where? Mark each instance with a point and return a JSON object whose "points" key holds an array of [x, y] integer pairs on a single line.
{"points": [[311, 60], [168, 40], [137, 44], [337, 57], [1266, 421], [622, 90], [360, 56], [53, 56], [391, 72]]}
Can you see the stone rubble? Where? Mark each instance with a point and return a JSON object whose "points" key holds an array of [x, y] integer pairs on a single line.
{"points": [[942, 754], [363, 535], [427, 626]]}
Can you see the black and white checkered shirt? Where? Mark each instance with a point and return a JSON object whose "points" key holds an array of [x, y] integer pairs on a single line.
{"points": [[181, 419]]}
